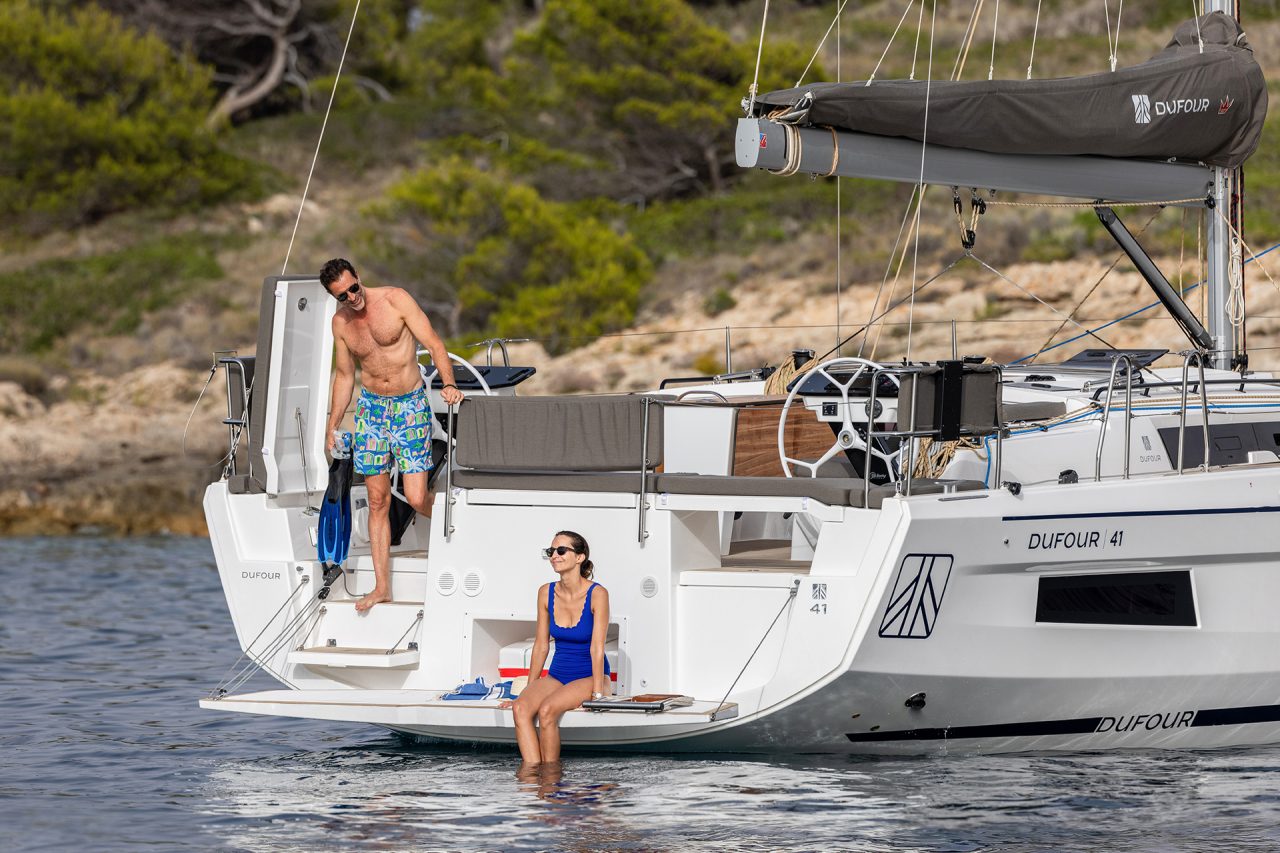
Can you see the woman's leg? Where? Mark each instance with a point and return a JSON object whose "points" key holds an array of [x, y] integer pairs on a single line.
{"points": [[525, 711], [553, 707]]}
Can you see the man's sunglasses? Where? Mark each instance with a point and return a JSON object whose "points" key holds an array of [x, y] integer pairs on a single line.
{"points": [[348, 293], [559, 549]]}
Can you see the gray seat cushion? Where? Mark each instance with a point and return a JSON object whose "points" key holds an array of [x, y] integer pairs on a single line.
{"points": [[1041, 410], [833, 491], [592, 433], [578, 481]]}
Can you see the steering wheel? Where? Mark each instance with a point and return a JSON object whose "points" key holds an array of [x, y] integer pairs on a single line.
{"points": [[848, 437], [428, 377]]}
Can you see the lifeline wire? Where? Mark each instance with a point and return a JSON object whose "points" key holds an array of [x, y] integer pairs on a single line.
{"points": [[1253, 257], [791, 596], [1119, 257], [324, 124]]}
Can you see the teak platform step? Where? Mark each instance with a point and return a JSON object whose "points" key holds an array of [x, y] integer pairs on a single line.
{"points": [[348, 657], [425, 712]]}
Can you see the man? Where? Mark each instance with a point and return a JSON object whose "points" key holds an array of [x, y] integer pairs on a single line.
{"points": [[381, 327]]}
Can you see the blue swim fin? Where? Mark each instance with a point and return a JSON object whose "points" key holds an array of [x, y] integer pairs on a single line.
{"points": [[335, 514]]}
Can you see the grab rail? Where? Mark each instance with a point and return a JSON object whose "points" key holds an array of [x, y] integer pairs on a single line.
{"points": [[641, 499], [1204, 407], [1106, 415], [235, 425], [448, 476]]}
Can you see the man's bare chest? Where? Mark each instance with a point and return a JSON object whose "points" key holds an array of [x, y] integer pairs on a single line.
{"points": [[374, 335]]}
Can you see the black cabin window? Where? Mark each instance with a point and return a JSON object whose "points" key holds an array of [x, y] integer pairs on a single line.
{"points": [[1129, 598]]}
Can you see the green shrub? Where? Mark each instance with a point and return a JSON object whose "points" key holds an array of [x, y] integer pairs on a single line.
{"points": [[107, 293], [95, 118], [718, 302], [489, 254], [708, 364], [26, 372]]}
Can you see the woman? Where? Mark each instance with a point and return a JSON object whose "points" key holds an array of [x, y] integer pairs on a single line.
{"points": [[575, 612]]}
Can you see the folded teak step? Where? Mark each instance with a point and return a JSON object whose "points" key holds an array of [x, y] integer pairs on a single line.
{"points": [[650, 703]]}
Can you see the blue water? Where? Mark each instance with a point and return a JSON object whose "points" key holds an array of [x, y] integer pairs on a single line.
{"points": [[106, 645]]}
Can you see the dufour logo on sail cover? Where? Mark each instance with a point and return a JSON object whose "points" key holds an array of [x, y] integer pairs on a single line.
{"points": [[1141, 109], [1144, 108]]}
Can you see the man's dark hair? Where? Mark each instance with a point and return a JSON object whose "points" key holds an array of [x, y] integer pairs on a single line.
{"points": [[333, 270]]}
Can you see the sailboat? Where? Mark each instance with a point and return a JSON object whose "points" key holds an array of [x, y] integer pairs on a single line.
{"points": [[902, 557]]}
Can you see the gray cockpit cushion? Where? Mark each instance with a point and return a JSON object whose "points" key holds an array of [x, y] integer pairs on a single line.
{"points": [[833, 491], [1039, 410], [593, 481], [569, 434]]}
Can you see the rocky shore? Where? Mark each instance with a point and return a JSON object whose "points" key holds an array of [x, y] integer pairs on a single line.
{"points": [[110, 457], [109, 454]]}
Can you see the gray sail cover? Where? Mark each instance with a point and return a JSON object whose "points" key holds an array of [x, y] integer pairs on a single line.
{"points": [[1183, 104]]}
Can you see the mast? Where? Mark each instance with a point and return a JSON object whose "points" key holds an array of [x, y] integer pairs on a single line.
{"points": [[1224, 250]]}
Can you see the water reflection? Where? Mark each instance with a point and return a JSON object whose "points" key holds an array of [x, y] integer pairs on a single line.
{"points": [[105, 748], [578, 811]]}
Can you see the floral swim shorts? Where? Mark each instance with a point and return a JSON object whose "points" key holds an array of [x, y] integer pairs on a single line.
{"points": [[393, 426]]}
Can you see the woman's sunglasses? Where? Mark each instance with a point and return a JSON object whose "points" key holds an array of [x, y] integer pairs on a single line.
{"points": [[348, 293], [559, 549]]}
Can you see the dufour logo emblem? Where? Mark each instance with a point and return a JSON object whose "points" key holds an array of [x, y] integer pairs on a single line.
{"points": [[1141, 109], [916, 600], [1144, 109]]}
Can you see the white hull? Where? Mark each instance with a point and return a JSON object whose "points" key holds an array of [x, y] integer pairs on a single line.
{"points": [[1116, 612], [993, 678]]}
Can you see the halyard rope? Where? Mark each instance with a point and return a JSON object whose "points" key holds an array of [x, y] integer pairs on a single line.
{"points": [[890, 42], [755, 81], [324, 124], [1035, 31], [821, 42]]}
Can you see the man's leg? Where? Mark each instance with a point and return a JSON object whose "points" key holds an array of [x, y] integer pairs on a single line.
{"points": [[412, 450], [417, 493], [379, 486]]}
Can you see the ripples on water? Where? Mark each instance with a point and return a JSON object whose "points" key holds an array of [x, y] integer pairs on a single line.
{"points": [[106, 644]]}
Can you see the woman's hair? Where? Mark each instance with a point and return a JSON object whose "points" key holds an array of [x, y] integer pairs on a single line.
{"points": [[580, 545]]}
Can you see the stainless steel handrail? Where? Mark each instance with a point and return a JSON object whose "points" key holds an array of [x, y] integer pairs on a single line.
{"points": [[1106, 415], [235, 426], [643, 534], [1146, 387], [448, 474], [694, 391], [1204, 408]]}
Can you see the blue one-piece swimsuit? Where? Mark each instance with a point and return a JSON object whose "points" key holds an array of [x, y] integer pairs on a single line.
{"points": [[572, 659]]}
